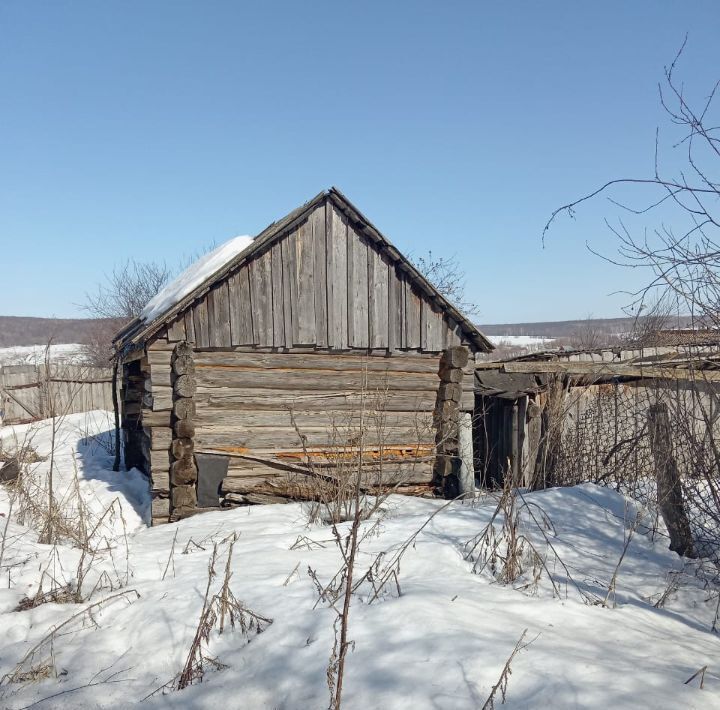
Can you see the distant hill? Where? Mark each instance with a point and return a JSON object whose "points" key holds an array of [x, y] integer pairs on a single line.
{"points": [[569, 328], [19, 330]]}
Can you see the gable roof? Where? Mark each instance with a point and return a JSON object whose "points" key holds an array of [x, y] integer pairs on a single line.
{"points": [[141, 329]]}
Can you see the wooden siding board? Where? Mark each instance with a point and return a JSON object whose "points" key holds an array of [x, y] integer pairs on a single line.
{"points": [[320, 275], [219, 316], [176, 330], [412, 317], [189, 326], [290, 285], [278, 306], [261, 298], [378, 275], [337, 280], [200, 316], [305, 285], [241, 318], [358, 323]]}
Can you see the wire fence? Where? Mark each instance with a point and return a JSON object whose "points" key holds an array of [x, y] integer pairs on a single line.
{"points": [[606, 439]]}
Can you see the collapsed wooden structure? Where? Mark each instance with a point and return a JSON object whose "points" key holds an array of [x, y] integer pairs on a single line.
{"points": [[315, 343], [588, 408]]}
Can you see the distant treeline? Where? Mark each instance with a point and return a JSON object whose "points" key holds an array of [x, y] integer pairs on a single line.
{"points": [[20, 330], [569, 328]]}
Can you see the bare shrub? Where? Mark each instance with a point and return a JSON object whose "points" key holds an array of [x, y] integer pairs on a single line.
{"points": [[122, 297], [448, 277], [502, 684], [217, 610]]}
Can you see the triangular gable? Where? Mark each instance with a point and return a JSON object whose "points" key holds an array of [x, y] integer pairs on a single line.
{"points": [[324, 277]]}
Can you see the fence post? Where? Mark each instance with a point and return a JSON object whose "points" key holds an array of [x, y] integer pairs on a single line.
{"points": [[669, 488]]}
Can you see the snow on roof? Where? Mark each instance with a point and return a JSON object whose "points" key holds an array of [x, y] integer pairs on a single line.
{"points": [[193, 276]]}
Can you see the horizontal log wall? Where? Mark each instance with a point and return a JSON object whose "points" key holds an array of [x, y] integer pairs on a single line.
{"points": [[268, 411], [322, 285]]}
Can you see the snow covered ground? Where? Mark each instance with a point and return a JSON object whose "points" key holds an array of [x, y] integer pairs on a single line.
{"points": [[441, 644], [35, 354]]}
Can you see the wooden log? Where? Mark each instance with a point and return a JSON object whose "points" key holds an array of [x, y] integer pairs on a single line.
{"points": [[183, 365], [183, 499], [160, 481], [160, 507], [184, 471], [184, 386], [343, 362], [184, 428], [182, 448], [183, 409]]}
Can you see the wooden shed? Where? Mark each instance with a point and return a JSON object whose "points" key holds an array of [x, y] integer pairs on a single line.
{"points": [[269, 362]]}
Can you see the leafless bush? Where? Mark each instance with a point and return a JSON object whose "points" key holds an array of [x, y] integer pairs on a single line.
{"points": [[502, 683], [448, 277], [122, 297], [217, 610], [39, 661]]}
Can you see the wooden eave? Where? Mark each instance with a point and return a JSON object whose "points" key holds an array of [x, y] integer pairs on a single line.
{"points": [[138, 332]]}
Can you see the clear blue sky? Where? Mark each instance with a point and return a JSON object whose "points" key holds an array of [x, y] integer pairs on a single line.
{"points": [[155, 128]]}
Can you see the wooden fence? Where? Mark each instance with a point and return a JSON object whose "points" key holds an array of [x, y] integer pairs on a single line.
{"points": [[32, 392]]}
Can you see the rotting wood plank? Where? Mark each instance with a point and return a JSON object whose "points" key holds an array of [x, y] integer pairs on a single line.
{"points": [[610, 369]]}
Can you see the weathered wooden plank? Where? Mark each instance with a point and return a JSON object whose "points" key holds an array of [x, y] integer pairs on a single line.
{"points": [[412, 317], [433, 322], [261, 295], [200, 317], [289, 287], [318, 222], [160, 437], [241, 317], [337, 279], [378, 276], [278, 306], [176, 330], [358, 326], [219, 316], [395, 310], [217, 419], [410, 362], [246, 440], [189, 326], [162, 398], [610, 369], [231, 399], [310, 380], [304, 331]]}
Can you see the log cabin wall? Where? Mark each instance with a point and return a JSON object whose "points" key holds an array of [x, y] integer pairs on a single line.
{"points": [[289, 346]]}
